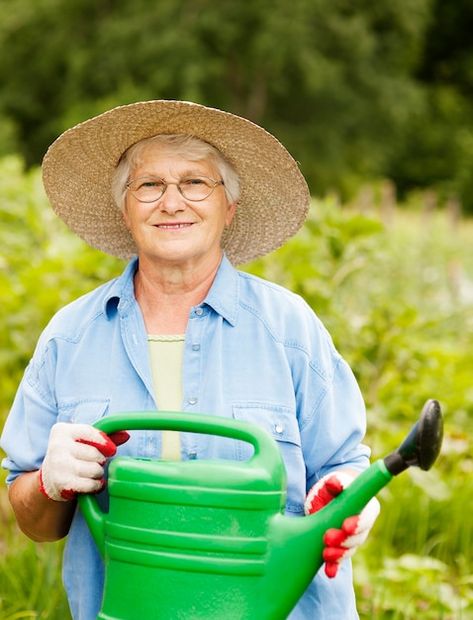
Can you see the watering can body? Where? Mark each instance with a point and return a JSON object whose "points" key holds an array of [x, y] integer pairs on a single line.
{"points": [[208, 539]]}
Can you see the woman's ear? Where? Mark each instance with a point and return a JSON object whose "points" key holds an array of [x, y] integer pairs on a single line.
{"points": [[231, 210], [126, 218]]}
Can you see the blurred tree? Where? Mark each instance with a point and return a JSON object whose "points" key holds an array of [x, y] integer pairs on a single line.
{"points": [[340, 82], [326, 76], [436, 148], [448, 54]]}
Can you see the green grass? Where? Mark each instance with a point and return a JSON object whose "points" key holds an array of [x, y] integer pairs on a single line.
{"points": [[30, 584]]}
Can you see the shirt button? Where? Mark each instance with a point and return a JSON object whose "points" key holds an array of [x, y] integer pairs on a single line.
{"points": [[199, 312], [192, 400], [196, 347], [279, 429]]}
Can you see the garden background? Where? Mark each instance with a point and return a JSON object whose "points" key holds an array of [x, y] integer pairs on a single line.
{"points": [[375, 102]]}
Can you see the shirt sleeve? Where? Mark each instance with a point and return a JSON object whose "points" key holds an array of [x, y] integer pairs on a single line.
{"points": [[26, 432], [331, 410]]}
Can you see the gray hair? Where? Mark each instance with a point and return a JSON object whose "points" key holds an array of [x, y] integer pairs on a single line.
{"points": [[189, 147]]}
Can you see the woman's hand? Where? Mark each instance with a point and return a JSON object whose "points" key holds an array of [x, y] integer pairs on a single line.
{"points": [[340, 543], [75, 459]]}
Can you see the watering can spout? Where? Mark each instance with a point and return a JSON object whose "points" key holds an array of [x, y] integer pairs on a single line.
{"points": [[292, 538], [299, 541], [209, 539]]}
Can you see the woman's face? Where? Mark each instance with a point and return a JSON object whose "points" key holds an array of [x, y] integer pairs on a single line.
{"points": [[173, 230]]}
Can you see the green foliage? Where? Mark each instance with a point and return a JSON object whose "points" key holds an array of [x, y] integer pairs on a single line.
{"points": [[397, 299], [436, 148], [395, 289], [334, 80], [354, 89], [30, 575], [30, 583], [42, 268]]}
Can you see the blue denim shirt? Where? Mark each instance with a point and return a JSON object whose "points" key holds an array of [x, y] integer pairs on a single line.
{"points": [[253, 351]]}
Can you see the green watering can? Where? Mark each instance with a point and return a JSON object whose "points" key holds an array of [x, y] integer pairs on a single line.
{"points": [[208, 539]]}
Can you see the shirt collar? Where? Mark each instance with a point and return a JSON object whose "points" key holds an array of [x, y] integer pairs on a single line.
{"points": [[121, 292], [222, 296]]}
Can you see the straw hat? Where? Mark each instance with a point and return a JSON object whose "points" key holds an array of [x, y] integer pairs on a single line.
{"points": [[78, 168]]}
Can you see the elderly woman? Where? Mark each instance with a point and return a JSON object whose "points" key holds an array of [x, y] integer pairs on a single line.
{"points": [[185, 192]]}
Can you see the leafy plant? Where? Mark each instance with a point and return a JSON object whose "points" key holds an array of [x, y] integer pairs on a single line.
{"points": [[395, 292], [396, 296]]}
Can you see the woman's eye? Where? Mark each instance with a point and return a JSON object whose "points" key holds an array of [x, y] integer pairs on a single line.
{"points": [[151, 184], [194, 182]]}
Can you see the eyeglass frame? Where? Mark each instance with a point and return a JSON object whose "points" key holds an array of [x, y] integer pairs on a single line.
{"points": [[166, 184]]}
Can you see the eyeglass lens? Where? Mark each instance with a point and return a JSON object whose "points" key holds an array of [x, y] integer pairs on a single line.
{"points": [[148, 189]]}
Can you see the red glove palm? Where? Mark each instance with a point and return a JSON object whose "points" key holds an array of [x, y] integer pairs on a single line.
{"points": [[340, 543], [74, 460]]}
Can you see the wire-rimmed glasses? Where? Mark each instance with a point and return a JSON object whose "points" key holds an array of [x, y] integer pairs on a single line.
{"points": [[150, 189]]}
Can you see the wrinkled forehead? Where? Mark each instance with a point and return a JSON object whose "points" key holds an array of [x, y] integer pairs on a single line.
{"points": [[186, 146], [155, 160]]}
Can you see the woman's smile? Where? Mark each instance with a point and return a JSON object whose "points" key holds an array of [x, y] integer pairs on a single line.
{"points": [[174, 226]]}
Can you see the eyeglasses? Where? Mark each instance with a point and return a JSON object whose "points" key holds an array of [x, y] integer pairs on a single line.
{"points": [[150, 189]]}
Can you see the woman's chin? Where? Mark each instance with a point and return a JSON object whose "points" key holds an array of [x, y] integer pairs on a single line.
{"points": [[174, 253]]}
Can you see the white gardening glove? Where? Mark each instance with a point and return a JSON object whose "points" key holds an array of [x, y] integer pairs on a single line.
{"points": [[340, 543], [74, 460]]}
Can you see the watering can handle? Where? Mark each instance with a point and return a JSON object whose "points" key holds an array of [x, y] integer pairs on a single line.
{"points": [[266, 455], [265, 448]]}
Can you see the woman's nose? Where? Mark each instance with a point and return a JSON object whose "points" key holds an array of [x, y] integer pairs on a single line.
{"points": [[172, 200]]}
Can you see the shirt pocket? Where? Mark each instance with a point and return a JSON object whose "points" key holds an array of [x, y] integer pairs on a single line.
{"points": [[280, 423], [86, 411]]}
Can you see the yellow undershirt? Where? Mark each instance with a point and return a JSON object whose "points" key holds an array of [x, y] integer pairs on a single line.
{"points": [[166, 354]]}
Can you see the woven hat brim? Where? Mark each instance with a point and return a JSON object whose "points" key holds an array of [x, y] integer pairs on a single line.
{"points": [[79, 165]]}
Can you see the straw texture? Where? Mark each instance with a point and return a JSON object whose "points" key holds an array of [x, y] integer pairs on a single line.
{"points": [[78, 168]]}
